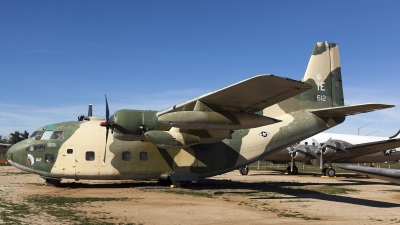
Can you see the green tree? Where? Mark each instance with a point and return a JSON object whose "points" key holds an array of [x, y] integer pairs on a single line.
{"points": [[3, 140], [18, 136]]}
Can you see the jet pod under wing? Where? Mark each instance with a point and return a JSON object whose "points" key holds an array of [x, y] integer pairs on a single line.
{"points": [[391, 175], [250, 95], [342, 111]]}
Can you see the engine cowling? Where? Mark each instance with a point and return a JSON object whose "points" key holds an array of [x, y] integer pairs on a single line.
{"points": [[301, 156], [129, 125], [332, 148]]}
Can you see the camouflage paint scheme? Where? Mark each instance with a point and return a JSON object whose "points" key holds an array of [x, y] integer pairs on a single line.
{"points": [[221, 150]]}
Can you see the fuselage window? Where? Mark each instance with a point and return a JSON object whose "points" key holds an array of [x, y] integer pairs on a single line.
{"points": [[89, 156], [143, 156], [49, 158], [39, 148], [126, 156], [46, 135], [39, 134], [57, 135], [70, 151], [306, 143], [30, 148]]}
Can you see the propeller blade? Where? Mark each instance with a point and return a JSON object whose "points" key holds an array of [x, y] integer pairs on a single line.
{"points": [[107, 127], [105, 147], [107, 111], [326, 143], [316, 142]]}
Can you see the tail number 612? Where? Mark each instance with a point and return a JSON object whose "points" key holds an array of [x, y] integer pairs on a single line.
{"points": [[320, 98]]}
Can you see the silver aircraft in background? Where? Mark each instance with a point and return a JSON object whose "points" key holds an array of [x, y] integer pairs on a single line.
{"points": [[328, 148]]}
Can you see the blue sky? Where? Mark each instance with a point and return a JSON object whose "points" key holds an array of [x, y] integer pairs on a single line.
{"points": [[57, 56]]}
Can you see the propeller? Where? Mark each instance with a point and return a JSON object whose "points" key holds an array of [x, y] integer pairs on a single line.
{"points": [[108, 123], [321, 149]]}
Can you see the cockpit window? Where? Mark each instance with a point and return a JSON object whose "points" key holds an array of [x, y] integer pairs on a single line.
{"points": [[39, 148], [46, 135], [30, 148], [39, 134], [57, 135], [34, 134]]}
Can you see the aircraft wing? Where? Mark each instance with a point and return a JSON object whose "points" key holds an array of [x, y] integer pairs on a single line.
{"points": [[250, 95], [391, 175], [342, 111], [369, 148]]}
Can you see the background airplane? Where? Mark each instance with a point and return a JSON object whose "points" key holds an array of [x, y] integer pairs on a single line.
{"points": [[392, 175], [336, 148], [206, 136]]}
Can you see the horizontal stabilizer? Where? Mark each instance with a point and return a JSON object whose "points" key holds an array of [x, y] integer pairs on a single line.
{"points": [[251, 95], [342, 111], [370, 148], [391, 175]]}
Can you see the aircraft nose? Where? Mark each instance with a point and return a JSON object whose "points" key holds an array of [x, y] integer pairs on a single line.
{"points": [[13, 150]]}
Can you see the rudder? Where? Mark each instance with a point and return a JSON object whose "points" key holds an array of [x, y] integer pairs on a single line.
{"points": [[324, 73]]}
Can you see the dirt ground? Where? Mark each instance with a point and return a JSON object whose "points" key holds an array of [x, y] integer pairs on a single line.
{"points": [[262, 197]]}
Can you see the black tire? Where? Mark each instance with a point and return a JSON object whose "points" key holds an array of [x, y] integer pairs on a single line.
{"points": [[330, 172], [295, 170], [244, 170], [53, 182], [324, 172]]}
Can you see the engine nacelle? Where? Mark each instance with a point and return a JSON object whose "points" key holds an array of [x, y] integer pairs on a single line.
{"points": [[301, 156], [171, 139], [129, 125], [332, 148]]}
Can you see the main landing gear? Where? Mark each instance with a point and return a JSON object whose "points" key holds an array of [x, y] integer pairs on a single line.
{"points": [[330, 172], [244, 170], [294, 171]]}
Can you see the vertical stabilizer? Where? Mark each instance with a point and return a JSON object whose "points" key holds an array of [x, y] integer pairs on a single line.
{"points": [[324, 74]]}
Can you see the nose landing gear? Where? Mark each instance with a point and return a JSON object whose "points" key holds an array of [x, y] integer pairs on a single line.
{"points": [[51, 181]]}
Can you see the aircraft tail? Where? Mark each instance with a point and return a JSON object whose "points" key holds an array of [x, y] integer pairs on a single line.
{"points": [[324, 74]]}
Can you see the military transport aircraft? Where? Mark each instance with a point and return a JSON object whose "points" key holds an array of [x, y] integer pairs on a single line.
{"points": [[336, 148], [206, 136]]}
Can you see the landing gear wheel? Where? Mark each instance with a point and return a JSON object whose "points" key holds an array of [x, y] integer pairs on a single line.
{"points": [[244, 170], [53, 182], [330, 172], [185, 184], [324, 172], [162, 182], [295, 170]]}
